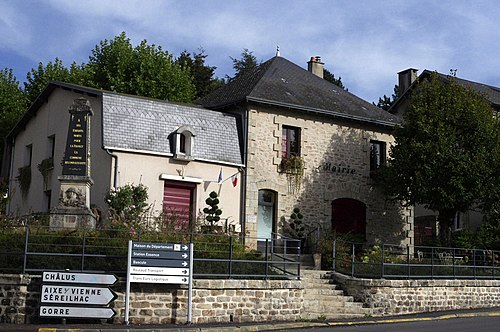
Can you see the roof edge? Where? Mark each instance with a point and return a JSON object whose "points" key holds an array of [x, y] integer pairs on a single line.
{"points": [[320, 111]]}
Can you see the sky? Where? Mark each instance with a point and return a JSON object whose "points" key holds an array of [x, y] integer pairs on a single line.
{"points": [[366, 43]]}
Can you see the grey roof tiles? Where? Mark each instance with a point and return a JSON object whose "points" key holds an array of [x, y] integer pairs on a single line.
{"points": [[282, 83], [134, 123]]}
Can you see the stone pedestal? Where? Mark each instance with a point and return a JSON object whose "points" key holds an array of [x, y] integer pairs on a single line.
{"points": [[73, 210]]}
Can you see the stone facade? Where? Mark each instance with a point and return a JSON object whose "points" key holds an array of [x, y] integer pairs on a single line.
{"points": [[223, 301], [214, 301], [323, 140], [393, 297]]}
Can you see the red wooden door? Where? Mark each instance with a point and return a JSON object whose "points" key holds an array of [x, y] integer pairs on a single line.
{"points": [[349, 216], [177, 204]]}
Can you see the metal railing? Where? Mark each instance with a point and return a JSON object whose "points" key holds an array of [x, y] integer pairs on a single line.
{"points": [[414, 262], [35, 249]]}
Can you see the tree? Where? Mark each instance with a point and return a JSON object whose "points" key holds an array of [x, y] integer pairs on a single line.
{"points": [[12, 103], [386, 102], [37, 79], [327, 75], [145, 70], [202, 74], [212, 211], [246, 63], [444, 153]]}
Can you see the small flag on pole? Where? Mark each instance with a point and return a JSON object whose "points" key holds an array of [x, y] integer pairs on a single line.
{"points": [[219, 180], [234, 179]]}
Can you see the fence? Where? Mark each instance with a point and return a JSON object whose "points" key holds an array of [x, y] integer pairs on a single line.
{"points": [[414, 262], [35, 249]]}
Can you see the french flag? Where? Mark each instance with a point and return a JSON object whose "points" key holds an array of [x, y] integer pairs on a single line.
{"points": [[234, 179], [219, 180]]}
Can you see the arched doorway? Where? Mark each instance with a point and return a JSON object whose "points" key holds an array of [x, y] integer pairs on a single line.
{"points": [[349, 216], [266, 219]]}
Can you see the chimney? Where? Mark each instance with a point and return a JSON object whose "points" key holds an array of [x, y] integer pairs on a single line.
{"points": [[406, 78], [315, 66]]}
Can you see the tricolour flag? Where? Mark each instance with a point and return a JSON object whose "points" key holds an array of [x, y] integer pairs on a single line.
{"points": [[219, 180], [234, 179]]}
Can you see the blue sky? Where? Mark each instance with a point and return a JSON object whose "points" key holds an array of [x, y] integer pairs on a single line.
{"points": [[364, 42]]}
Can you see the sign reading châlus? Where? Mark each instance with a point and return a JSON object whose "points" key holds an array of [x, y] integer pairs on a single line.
{"points": [[76, 155]]}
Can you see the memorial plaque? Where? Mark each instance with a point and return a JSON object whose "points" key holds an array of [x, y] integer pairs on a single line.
{"points": [[76, 155]]}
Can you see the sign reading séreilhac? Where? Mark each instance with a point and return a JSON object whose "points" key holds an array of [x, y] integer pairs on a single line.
{"points": [[76, 154], [159, 263], [82, 291]]}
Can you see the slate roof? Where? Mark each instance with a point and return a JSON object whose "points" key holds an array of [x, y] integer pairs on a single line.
{"points": [[491, 93], [280, 82], [146, 124]]}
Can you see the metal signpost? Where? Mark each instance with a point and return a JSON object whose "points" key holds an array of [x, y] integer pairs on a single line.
{"points": [[159, 263], [75, 295]]}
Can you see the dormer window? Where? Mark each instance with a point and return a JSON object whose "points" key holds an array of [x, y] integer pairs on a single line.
{"points": [[184, 143]]}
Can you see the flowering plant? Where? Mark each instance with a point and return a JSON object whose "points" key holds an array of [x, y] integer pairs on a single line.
{"points": [[127, 206]]}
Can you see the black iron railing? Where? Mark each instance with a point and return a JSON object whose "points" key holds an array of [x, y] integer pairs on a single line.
{"points": [[35, 249], [414, 262]]}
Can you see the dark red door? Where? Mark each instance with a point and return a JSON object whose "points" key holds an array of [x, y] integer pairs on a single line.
{"points": [[349, 216], [178, 204]]}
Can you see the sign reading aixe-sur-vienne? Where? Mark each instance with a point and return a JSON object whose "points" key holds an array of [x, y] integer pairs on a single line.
{"points": [[79, 291]]}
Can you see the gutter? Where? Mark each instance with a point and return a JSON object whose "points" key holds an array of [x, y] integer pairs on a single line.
{"points": [[320, 111]]}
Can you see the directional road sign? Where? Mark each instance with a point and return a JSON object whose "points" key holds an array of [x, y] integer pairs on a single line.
{"points": [[159, 279], [75, 312], [160, 246], [77, 295], [79, 278], [160, 254], [159, 262], [165, 271]]}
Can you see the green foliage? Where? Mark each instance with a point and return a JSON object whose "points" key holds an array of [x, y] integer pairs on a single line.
{"points": [[295, 227], [245, 64], [202, 74], [45, 166], [443, 154], [12, 103], [386, 102], [212, 212], [144, 70], [127, 206], [330, 77], [24, 179], [294, 169], [116, 65]]}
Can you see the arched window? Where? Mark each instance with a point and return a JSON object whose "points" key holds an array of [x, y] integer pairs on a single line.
{"points": [[184, 143]]}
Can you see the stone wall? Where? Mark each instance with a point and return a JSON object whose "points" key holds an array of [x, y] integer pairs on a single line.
{"points": [[214, 301], [392, 297], [323, 141]]}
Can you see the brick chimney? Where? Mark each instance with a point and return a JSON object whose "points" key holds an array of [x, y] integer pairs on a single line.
{"points": [[406, 78], [315, 66]]}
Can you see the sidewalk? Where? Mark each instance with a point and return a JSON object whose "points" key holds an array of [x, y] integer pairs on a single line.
{"points": [[251, 327]]}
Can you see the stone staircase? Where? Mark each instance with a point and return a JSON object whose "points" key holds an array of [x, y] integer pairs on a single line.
{"points": [[323, 299]]}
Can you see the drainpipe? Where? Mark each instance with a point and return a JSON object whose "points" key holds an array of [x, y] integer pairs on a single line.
{"points": [[244, 173], [115, 173]]}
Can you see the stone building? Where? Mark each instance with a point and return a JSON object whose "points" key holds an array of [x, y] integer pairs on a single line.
{"points": [[177, 151], [311, 145]]}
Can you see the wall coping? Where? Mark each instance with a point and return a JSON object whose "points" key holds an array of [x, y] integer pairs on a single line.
{"points": [[341, 278]]}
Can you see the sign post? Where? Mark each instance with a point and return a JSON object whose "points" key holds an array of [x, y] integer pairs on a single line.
{"points": [[160, 263]]}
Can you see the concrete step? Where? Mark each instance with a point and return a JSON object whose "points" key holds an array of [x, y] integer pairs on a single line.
{"points": [[323, 299], [337, 299], [324, 291]]}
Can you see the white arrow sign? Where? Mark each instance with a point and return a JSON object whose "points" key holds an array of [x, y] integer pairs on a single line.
{"points": [[76, 295], [166, 271], [76, 312], [159, 279], [79, 278]]}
